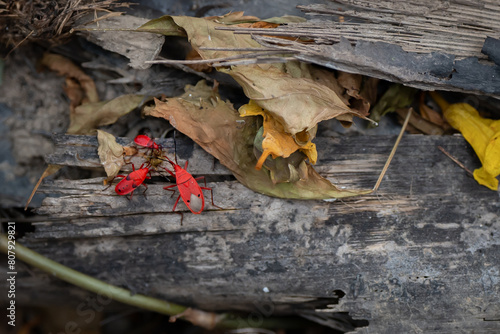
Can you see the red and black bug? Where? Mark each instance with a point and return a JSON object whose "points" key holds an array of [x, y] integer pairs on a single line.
{"points": [[133, 180], [189, 189], [145, 141]]}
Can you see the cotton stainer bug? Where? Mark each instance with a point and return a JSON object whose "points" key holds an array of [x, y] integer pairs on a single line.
{"points": [[189, 189], [155, 159], [145, 141], [133, 180]]}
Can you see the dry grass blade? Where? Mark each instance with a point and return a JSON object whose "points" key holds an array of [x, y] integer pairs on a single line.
{"points": [[405, 124], [222, 60], [455, 160], [48, 21]]}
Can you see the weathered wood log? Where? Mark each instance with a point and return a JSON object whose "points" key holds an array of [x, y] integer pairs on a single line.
{"points": [[420, 255], [428, 45]]}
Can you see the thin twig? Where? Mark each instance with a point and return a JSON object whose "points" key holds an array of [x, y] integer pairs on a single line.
{"points": [[455, 160], [408, 116], [214, 60], [21, 42], [237, 49], [255, 61]]}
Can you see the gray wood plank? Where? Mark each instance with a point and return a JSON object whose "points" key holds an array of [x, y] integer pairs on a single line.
{"points": [[420, 255]]}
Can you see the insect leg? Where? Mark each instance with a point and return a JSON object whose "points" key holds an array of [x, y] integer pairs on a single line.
{"points": [[111, 183], [168, 188], [176, 202], [212, 196], [201, 178], [144, 192]]}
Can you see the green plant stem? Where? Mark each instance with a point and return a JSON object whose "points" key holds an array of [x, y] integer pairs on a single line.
{"points": [[89, 283], [200, 318]]}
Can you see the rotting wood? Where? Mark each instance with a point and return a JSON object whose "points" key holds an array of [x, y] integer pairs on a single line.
{"points": [[81, 151], [420, 254], [428, 45]]}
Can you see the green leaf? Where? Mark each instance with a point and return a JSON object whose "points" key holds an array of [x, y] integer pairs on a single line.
{"points": [[396, 97]]}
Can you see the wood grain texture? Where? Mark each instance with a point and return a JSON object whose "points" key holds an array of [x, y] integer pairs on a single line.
{"points": [[427, 44], [420, 255]]}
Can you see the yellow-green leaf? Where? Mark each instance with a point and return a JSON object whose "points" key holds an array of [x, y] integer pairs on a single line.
{"points": [[397, 96], [164, 25]]}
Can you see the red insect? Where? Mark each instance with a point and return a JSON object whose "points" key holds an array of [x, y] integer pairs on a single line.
{"points": [[133, 180], [145, 141], [156, 154], [189, 189]]}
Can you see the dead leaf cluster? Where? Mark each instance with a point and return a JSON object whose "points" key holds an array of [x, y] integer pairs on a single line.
{"points": [[287, 99], [275, 129]]}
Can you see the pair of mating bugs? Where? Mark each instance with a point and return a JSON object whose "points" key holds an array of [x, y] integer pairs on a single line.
{"points": [[189, 189]]}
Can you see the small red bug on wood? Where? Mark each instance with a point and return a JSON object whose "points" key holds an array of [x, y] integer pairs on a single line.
{"points": [[156, 154], [189, 189], [133, 180], [145, 141]]}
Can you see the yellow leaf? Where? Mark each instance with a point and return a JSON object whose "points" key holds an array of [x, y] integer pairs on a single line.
{"points": [[483, 135], [277, 142]]}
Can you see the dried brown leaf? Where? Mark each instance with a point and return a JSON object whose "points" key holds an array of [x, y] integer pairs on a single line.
{"points": [[351, 83], [74, 92], [298, 103], [67, 68], [110, 154], [88, 117], [419, 124], [194, 55], [216, 126], [430, 114]]}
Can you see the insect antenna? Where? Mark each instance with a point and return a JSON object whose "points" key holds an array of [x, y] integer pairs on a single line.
{"points": [[175, 149]]}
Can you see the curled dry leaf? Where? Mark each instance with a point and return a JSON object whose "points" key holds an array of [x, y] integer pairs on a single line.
{"points": [[483, 134], [351, 83], [430, 114], [194, 55], [88, 117], [110, 153], [285, 90], [216, 126], [67, 68], [298, 103]]}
